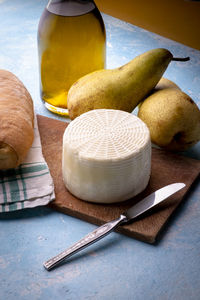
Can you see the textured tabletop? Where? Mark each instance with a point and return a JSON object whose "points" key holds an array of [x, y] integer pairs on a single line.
{"points": [[117, 267]]}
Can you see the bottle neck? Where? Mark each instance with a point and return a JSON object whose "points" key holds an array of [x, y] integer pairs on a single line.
{"points": [[70, 8]]}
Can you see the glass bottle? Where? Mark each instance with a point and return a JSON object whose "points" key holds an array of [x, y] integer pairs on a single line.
{"points": [[71, 43]]}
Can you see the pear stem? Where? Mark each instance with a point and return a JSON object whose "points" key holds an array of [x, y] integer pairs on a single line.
{"points": [[181, 58]]}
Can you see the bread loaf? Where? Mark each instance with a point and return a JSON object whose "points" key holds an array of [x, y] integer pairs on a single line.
{"points": [[16, 121]]}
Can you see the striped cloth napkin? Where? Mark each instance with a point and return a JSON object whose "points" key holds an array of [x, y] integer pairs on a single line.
{"points": [[30, 184]]}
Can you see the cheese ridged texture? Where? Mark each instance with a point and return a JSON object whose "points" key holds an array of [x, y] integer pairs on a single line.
{"points": [[106, 156]]}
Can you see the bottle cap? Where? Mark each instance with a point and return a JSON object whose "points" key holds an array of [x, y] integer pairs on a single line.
{"points": [[70, 8]]}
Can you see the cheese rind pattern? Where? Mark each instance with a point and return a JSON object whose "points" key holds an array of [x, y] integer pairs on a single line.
{"points": [[106, 156]]}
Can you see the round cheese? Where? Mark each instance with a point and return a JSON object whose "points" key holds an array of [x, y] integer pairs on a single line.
{"points": [[106, 156]]}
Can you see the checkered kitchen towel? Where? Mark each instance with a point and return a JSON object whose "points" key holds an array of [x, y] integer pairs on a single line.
{"points": [[30, 184]]}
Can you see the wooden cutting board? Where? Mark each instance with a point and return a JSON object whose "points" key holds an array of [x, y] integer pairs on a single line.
{"points": [[166, 168]]}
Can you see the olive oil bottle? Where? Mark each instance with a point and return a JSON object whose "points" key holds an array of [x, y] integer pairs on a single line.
{"points": [[71, 43]]}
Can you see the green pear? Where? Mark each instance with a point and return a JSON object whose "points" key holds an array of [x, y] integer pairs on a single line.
{"points": [[121, 88], [172, 117]]}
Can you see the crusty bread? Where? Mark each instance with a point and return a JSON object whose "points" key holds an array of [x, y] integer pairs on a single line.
{"points": [[16, 120]]}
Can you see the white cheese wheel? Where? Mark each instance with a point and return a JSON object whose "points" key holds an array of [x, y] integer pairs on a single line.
{"points": [[106, 156]]}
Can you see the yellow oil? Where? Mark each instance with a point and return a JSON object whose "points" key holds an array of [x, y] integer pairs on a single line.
{"points": [[69, 47]]}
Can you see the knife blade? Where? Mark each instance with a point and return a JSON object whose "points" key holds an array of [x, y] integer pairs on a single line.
{"points": [[136, 210]]}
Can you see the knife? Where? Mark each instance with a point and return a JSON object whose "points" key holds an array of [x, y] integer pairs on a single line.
{"points": [[136, 210]]}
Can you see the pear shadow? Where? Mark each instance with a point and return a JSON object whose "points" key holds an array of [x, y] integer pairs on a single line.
{"points": [[193, 152]]}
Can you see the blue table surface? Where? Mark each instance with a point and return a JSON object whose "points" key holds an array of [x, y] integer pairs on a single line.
{"points": [[116, 267]]}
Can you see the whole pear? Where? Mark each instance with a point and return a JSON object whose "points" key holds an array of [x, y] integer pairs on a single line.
{"points": [[121, 88], [172, 117]]}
